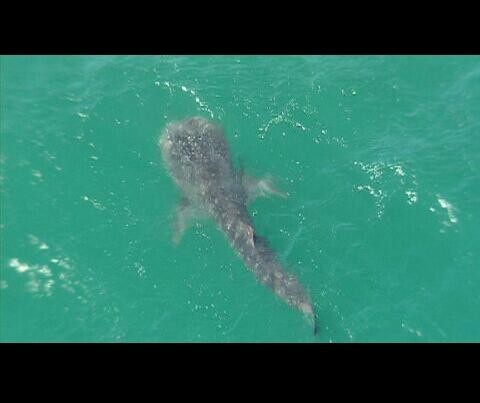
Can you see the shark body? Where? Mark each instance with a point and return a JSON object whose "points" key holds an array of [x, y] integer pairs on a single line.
{"points": [[197, 156]]}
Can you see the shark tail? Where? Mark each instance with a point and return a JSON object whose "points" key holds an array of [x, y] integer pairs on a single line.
{"points": [[310, 316]]}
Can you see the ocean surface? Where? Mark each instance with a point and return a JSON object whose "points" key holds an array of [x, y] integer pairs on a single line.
{"points": [[380, 156]]}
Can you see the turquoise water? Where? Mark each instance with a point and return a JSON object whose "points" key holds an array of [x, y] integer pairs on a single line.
{"points": [[380, 156]]}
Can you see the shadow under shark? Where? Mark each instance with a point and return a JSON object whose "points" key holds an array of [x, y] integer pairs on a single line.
{"points": [[197, 157]]}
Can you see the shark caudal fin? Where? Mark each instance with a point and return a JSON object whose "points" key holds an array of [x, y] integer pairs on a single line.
{"points": [[310, 316]]}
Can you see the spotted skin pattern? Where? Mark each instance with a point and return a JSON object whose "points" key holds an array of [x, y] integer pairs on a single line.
{"points": [[197, 157]]}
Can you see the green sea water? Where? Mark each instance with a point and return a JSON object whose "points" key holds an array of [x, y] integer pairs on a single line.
{"points": [[380, 156]]}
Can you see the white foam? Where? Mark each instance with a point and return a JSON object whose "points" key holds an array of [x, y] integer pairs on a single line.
{"points": [[94, 202], [416, 332], [398, 170], [45, 270], [450, 209], [18, 266], [37, 174], [412, 197]]}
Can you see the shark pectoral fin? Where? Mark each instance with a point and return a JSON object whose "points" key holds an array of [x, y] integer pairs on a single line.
{"points": [[185, 214], [260, 187]]}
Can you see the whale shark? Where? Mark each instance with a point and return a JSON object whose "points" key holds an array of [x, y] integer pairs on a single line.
{"points": [[197, 157]]}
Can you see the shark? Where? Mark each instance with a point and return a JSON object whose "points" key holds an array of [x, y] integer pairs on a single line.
{"points": [[196, 154]]}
